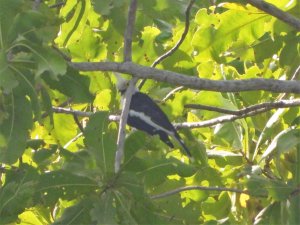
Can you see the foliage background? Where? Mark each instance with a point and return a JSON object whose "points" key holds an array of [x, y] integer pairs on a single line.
{"points": [[58, 168]]}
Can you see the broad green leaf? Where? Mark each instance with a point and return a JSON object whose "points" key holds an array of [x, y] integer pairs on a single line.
{"points": [[235, 25], [228, 134], [77, 213], [60, 184], [211, 99], [292, 210], [46, 104], [27, 87], [257, 185], [44, 154], [285, 141], [49, 61], [219, 207], [61, 133], [75, 14], [135, 141], [104, 210], [176, 105], [17, 192], [71, 84], [8, 79], [90, 47], [269, 215], [15, 128], [14, 198], [278, 190], [8, 10], [34, 216], [103, 100], [143, 55], [101, 141], [289, 55], [268, 129]]}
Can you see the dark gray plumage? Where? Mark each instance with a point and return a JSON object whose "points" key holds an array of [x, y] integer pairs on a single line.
{"points": [[144, 114]]}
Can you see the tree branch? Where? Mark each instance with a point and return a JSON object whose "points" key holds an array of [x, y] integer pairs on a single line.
{"points": [[122, 124], [203, 188], [277, 86], [256, 109], [276, 12], [129, 31], [259, 108], [130, 89], [81, 113]]}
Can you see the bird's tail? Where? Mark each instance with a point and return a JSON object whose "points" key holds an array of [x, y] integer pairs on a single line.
{"points": [[180, 141]]}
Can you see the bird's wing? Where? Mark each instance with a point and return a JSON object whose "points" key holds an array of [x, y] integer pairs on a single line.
{"points": [[143, 103]]}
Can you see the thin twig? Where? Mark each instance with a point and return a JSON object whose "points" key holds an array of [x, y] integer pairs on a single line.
{"points": [[203, 188], [259, 108], [136, 70], [294, 77], [276, 12], [179, 42], [262, 107], [129, 31], [211, 108], [183, 35], [169, 95], [81, 113], [296, 73], [62, 54], [222, 119], [78, 123]]}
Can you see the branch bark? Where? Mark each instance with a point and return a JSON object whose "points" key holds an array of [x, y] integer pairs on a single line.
{"points": [[249, 111], [130, 90], [129, 31], [259, 108], [276, 86], [274, 11]]}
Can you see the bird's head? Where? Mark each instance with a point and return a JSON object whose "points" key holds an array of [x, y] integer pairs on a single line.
{"points": [[122, 84]]}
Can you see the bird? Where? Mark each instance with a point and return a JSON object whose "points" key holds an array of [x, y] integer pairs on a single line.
{"points": [[145, 115]]}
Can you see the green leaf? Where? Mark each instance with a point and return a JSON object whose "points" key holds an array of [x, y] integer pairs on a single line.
{"points": [[278, 190], [61, 184], [100, 139], [17, 192], [104, 210], [219, 208], [15, 128], [90, 47], [285, 141], [8, 80], [103, 100], [71, 84], [43, 154], [78, 213], [269, 215], [46, 104], [8, 10], [289, 55], [235, 25]]}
